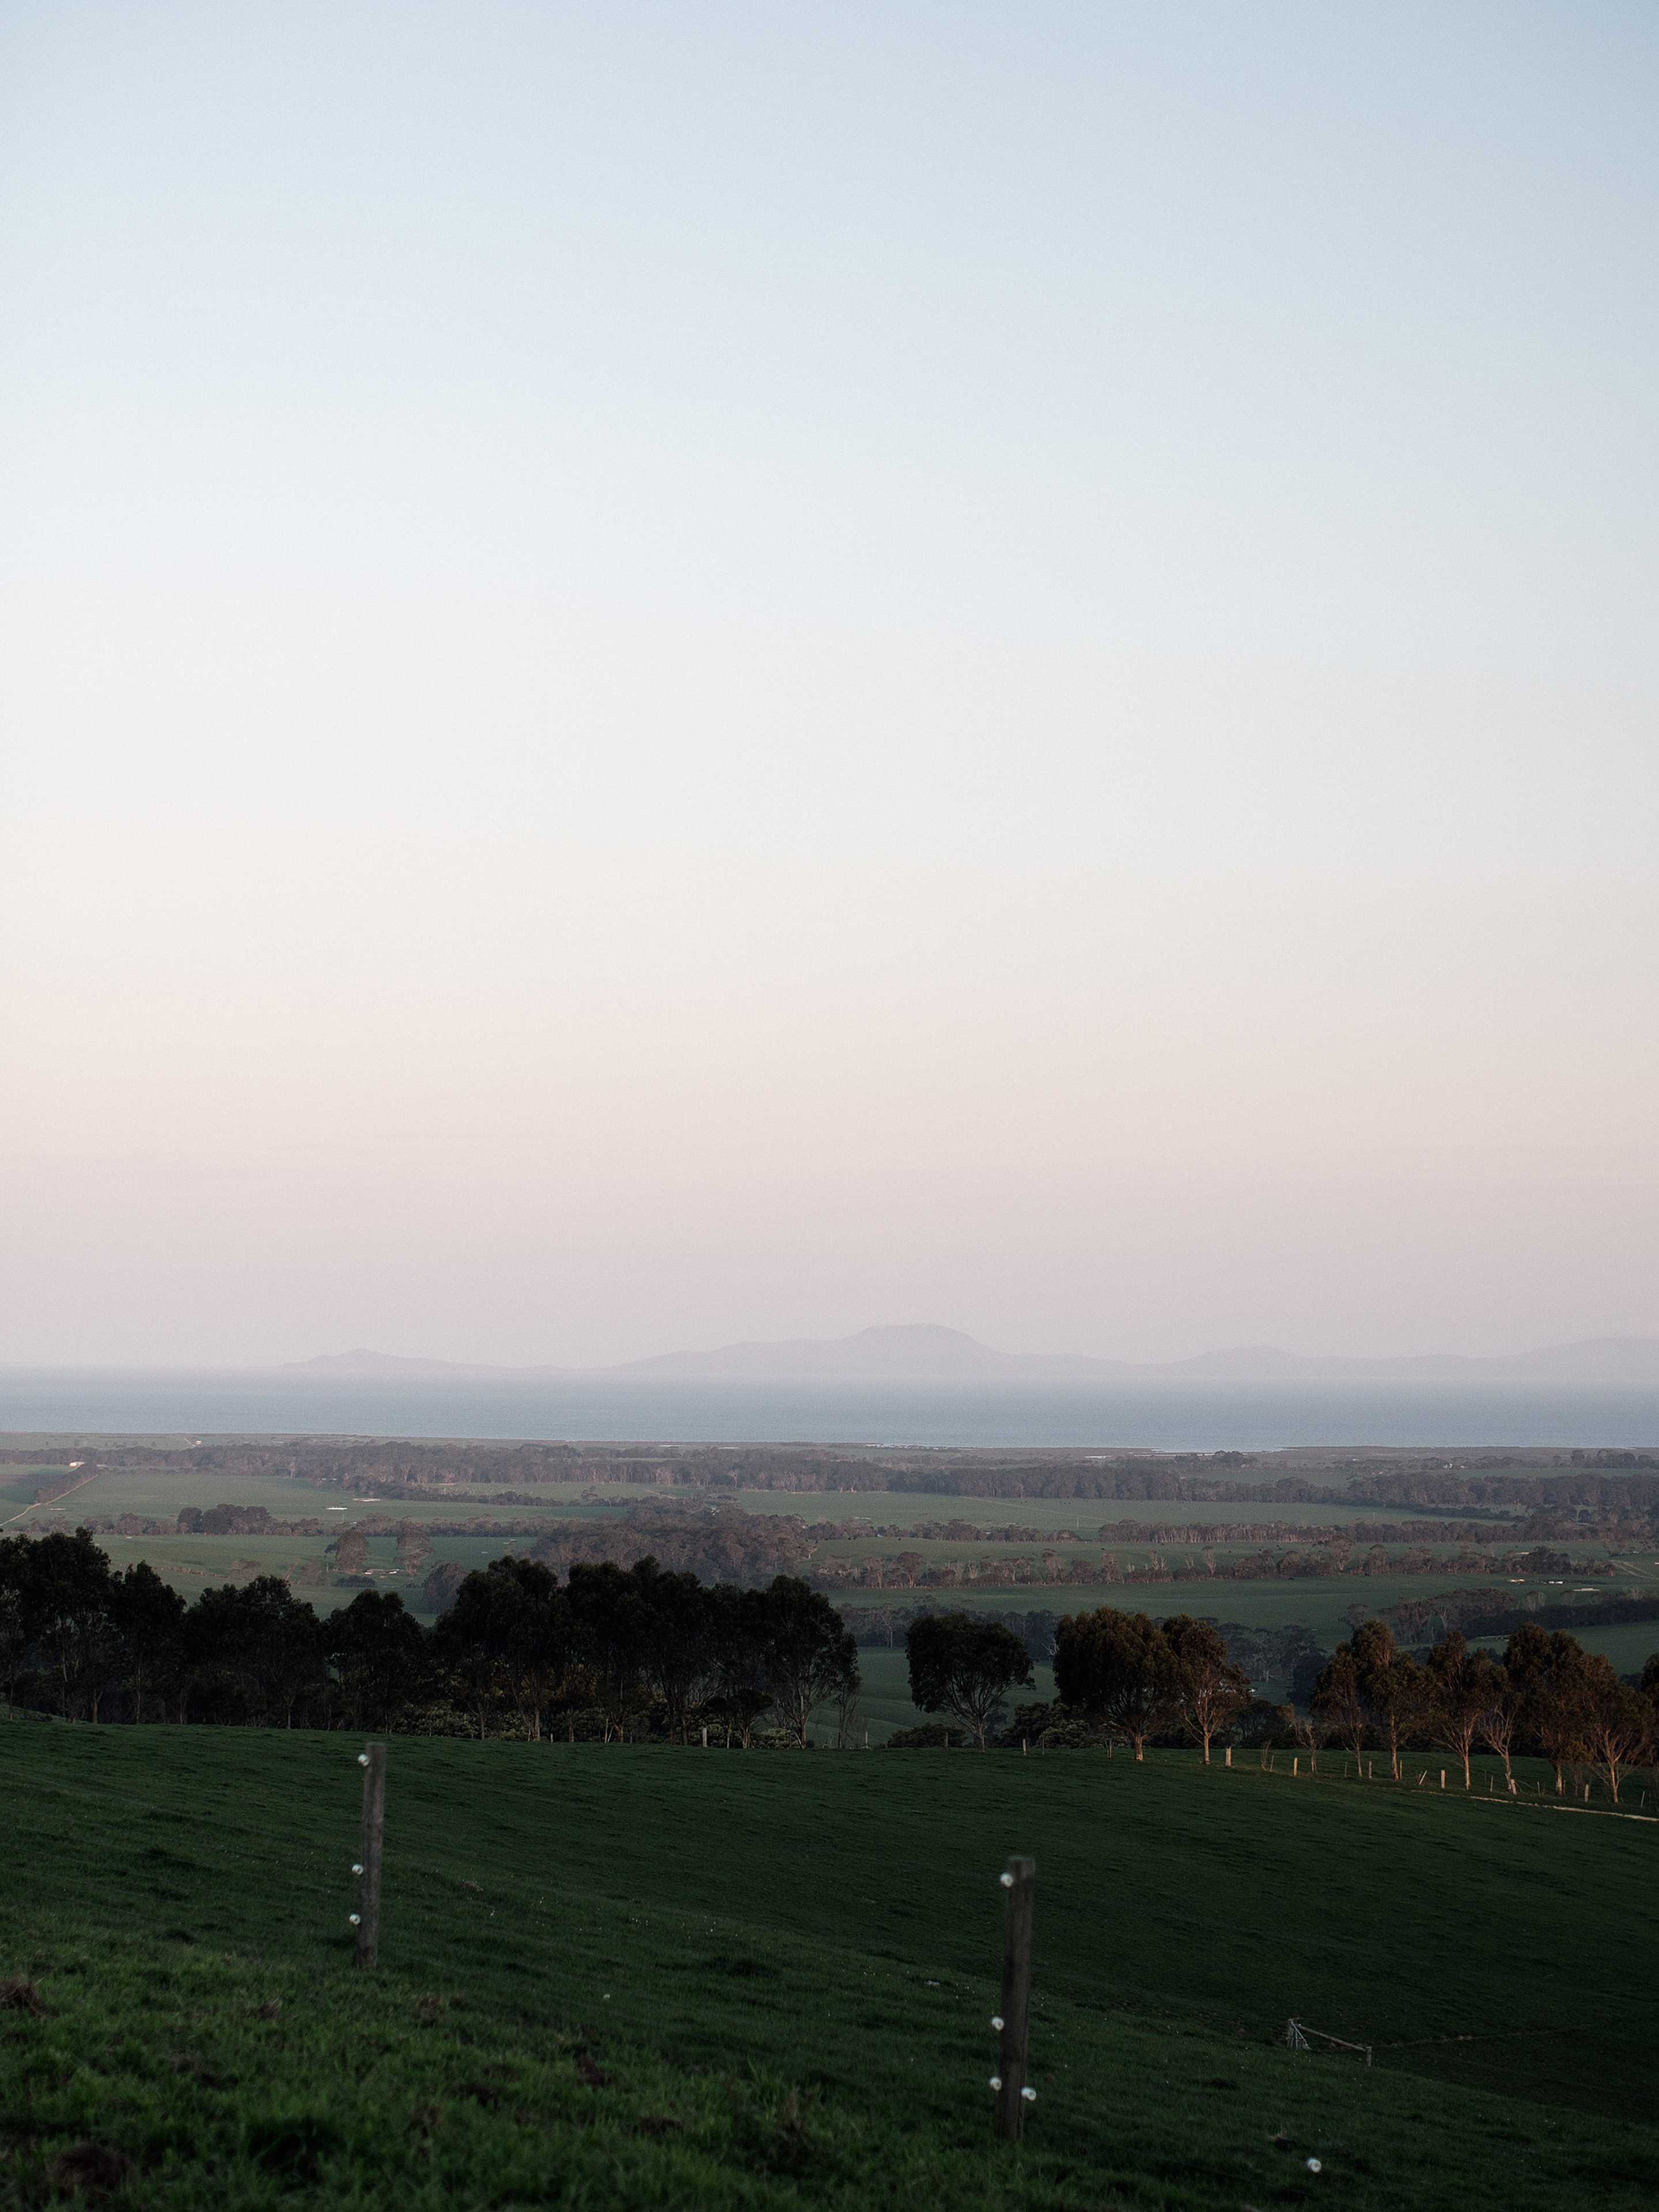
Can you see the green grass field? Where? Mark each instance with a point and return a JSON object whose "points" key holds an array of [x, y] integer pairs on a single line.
{"points": [[617, 1977], [158, 1493]]}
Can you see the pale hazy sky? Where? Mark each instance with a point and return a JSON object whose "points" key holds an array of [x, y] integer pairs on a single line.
{"points": [[681, 671]]}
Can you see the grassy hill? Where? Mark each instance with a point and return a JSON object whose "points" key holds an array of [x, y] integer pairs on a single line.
{"points": [[621, 1977]]}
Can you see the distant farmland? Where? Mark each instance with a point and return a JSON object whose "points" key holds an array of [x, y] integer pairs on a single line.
{"points": [[860, 1543]]}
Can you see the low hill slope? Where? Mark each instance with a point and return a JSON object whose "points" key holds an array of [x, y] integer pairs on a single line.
{"points": [[630, 1977]]}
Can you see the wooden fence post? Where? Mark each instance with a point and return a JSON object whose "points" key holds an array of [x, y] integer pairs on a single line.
{"points": [[1012, 2095], [367, 1915]]}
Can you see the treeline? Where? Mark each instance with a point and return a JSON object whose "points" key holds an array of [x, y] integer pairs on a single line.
{"points": [[1621, 1485], [1118, 1676], [1291, 1653], [719, 1543], [1172, 1480], [1622, 1498], [611, 1653], [1476, 1614], [1122, 1677], [1194, 1533], [1637, 1492], [199, 1521], [1546, 1696], [606, 1654], [726, 1546], [911, 1570]]}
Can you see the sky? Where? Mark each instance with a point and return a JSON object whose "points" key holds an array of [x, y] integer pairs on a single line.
{"points": [[673, 672]]}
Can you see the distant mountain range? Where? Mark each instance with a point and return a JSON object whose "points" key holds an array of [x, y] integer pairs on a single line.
{"points": [[922, 1353], [363, 1362]]}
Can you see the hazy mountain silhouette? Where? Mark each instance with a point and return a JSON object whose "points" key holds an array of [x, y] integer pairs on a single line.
{"points": [[363, 1362], [917, 1352]]}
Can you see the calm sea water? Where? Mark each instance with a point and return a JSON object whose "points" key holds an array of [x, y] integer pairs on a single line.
{"points": [[593, 1408]]}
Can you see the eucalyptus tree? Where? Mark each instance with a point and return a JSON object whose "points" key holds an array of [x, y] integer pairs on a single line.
{"points": [[964, 1664], [807, 1656], [1205, 1685], [1117, 1668]]}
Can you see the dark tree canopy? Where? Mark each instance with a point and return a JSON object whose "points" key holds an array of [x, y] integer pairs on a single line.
{"points": [[510, 1632], [377, 1654], [808, 1656], [1116, 1667], [963, 1664], [644, 1651], [255, 1651]]}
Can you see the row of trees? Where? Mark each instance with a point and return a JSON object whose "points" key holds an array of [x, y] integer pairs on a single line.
{"points": [[1195, 1535], [1545, 1696], [614, 1652], [1141, 1680], [1115, 1671], [1317, 1557], [610, 1651]]}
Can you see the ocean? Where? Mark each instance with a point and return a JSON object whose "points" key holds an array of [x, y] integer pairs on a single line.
{"points": [[593, 1408]]}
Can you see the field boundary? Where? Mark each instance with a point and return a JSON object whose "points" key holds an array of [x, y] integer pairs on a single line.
{"points": [[1596, 1812]]}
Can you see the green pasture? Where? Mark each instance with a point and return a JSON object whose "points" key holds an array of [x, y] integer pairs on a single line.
{"points": [[160, 1493], [157, 1493], [194, 1563], [1639, 1566], [17, 1487], [645, 1977]]}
